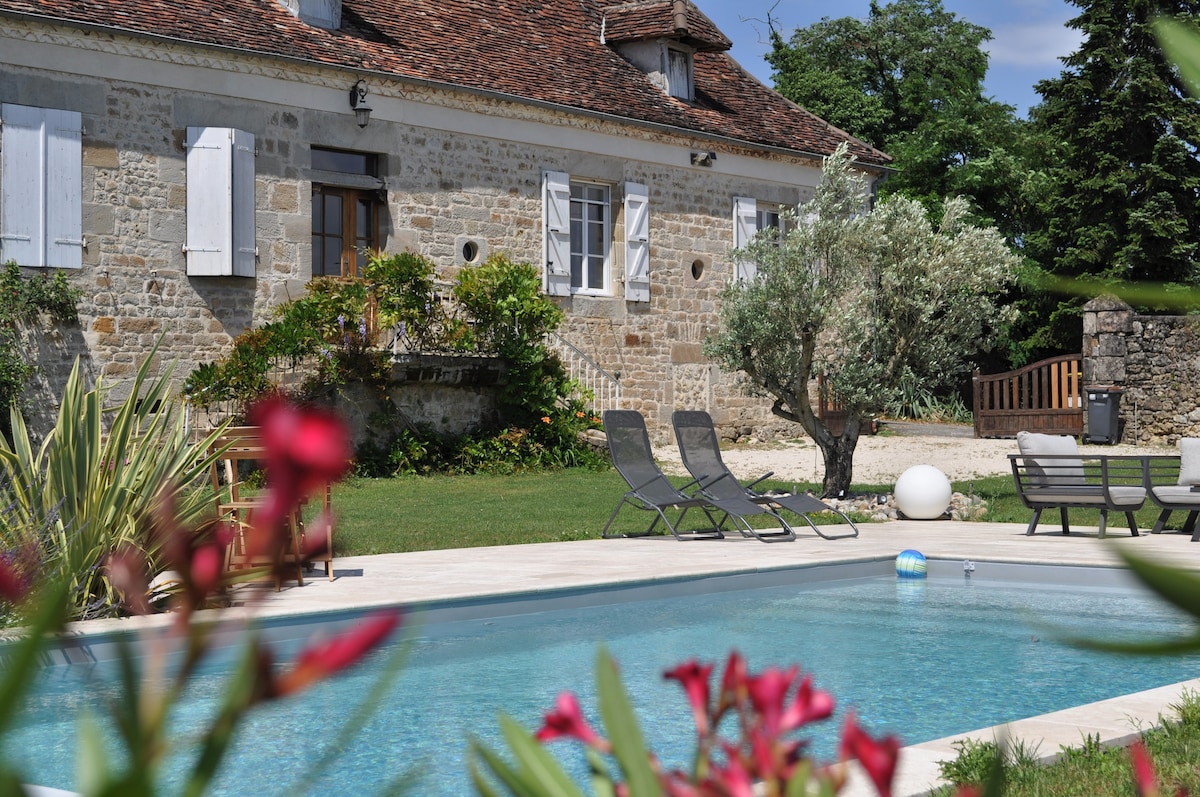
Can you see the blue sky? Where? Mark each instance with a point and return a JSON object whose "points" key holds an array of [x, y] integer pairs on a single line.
{"points": [[1028, 36]]}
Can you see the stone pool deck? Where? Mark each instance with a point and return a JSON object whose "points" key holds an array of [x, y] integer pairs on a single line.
{"points": [[416, 578]]}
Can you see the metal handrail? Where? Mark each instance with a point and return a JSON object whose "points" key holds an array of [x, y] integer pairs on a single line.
{"points": [[605, 387]]}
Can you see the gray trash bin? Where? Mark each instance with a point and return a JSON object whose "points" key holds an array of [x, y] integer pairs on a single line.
{"points": [[1103, 415]]}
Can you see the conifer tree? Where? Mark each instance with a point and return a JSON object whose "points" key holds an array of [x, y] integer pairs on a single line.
{"points": [[1123, 176]]}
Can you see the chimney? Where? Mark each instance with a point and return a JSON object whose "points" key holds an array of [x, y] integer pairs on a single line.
{"points": [[679, 12], [325, 14]]}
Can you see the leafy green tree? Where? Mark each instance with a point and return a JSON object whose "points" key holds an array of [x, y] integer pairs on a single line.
{"points": [[873, 301], [1121, 198], [908, 79]]}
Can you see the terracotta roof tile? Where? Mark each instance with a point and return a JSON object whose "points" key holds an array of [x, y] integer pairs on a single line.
{"points": [[542, 50], [653, 19]]}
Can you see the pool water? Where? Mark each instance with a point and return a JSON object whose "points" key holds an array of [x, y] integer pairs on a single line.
{"points": [[922, 659]]}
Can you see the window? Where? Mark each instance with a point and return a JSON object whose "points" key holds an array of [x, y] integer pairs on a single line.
{"points": [[41, 206], [589, 238], [768, 218], [345, 218], [345, 227], [749, 218], [679, 74], [578, 225], [220, 202]]}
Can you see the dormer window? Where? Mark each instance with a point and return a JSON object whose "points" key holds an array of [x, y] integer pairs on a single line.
{"points": [[661, 38], [679, 73]]}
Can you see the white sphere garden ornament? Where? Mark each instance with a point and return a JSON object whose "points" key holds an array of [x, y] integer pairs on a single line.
{"points": [[922, 493]]}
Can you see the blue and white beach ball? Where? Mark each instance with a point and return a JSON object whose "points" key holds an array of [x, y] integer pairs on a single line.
{"points": [[910, 564]]}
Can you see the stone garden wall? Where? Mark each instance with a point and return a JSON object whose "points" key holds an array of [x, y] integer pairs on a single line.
{"points": [[1154, 360]]}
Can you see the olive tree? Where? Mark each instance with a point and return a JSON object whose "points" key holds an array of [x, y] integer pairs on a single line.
{"points": [[871, 299]]}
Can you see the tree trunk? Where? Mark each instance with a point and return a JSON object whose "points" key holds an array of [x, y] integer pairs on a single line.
{"points": [[838, 453]]}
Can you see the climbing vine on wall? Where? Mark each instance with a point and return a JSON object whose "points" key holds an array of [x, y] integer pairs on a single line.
{"points": [[22, 301]]}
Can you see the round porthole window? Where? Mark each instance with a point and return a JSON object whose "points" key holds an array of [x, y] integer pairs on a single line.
{"points": [[470, 251], [697, 269]]}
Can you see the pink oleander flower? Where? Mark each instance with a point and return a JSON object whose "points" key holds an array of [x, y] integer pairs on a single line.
{"points": [[693, 677], [321, 660], [1144, 779], [767, 692], [877, 757], [13, 588], [810, 705], [732, 779], [566, 719], [126, 571]]}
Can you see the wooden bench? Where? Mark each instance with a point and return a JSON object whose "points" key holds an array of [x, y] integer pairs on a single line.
{"points": [[1051, 473]]}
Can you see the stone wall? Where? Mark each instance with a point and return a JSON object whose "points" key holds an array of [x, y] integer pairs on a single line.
{"points": [[444, 188], [1153, 360]]}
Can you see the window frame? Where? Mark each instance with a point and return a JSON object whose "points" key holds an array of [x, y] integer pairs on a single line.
{"points": [[352, 176], [351, 249], [580, 243], [680, 82]]}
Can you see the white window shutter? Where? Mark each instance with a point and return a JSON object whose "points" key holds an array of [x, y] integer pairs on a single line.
{"points": [[41, 220], [556, 227], [745, 227], [220, 202], [209, 201], [64, 191], [243, 204], [637, 243]]}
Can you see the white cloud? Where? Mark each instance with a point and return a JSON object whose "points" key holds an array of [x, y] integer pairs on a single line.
{"points": [[1031, 45]]}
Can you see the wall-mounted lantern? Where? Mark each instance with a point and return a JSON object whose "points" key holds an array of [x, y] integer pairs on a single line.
{"points": [[358, 101]]}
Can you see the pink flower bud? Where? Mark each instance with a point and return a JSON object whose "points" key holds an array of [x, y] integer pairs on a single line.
{"points": [[322, 660], [693, 677], [567, 720]]}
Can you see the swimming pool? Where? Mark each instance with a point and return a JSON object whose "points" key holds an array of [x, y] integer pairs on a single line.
{"points": [[923, 659]]}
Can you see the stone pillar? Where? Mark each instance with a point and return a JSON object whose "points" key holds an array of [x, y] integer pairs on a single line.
{"points": [[1107, 323]]}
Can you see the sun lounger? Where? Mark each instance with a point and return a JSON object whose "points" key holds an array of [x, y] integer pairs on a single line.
{"points": [[700, 451], [649, 488]]}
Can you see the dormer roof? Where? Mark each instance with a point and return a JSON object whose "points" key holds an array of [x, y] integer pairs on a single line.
{"points": [[663, 19]]}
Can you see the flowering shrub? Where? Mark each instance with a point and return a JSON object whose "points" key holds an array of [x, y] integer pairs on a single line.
{"points": [[306, 448], [760, 758]]}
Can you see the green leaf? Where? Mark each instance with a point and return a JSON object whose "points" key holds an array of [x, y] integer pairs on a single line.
{"points": [[91, 762], [1178, 587], [1181, 43], [620, 725]]}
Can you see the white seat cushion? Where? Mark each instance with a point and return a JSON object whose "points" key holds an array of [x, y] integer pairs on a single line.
{"points": [[1189, 460], [1054, 471], [1177, 496]]}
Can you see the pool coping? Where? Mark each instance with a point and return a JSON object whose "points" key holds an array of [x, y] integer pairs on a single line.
{"points": [[553, 570]]}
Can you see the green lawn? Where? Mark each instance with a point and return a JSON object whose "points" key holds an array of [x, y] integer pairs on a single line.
{"points": [[420, 513]]}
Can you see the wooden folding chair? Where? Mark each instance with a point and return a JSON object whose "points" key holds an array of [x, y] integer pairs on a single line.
{"points": [[237, 504]]}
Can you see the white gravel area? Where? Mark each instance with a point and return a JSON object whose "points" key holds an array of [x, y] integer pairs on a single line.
{"points": [[880, 459]]}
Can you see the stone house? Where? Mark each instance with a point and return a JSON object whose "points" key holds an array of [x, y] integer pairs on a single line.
{"points": [[193, 165]]}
